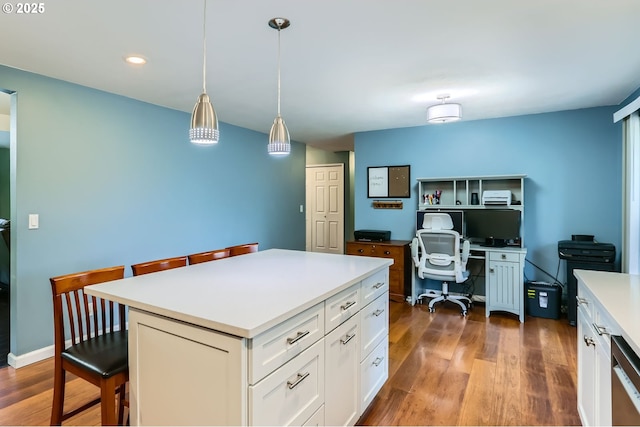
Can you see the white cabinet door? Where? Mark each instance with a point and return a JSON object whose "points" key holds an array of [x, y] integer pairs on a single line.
{"points": [[374, 323], [586, 370], [342, 367], [504, 283], [374, 371], [204, 369]]}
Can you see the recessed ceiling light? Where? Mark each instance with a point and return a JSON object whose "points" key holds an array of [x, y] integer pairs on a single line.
{"points": [[135, 59]]}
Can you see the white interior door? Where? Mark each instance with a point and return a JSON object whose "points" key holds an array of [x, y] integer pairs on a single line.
{"points": [[325, 208]]}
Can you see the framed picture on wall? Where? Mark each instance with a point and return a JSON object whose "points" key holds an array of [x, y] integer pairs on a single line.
{"points": [[389, 182]]}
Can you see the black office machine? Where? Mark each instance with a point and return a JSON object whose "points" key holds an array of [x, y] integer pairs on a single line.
{"points": [[584, 254], [372, 235]]}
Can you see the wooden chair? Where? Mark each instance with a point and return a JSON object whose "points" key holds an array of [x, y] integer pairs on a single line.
{"points": [[158, 265], [243, 249], [98, 351], [208, 256]]}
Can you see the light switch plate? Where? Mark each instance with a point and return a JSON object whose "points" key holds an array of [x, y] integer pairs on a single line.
{"points": [[34, 221]]}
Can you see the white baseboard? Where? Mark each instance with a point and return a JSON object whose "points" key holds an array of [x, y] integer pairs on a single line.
{"points": [[29, 358]]}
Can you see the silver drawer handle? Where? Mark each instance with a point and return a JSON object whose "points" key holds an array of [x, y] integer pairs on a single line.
{"points": [[298, 380], [589, 341], [378, 285], [347, 338], [298, 337], [378, 312], [378, 361], [581, 301], [347, 305], [601, 330]]}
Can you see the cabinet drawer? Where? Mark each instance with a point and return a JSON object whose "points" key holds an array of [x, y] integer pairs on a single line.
{"points": [[375, 250], [273, 348], [341, 306], [293, 393], [374, 324], [504, 256], [374, 286], [373, 373]]}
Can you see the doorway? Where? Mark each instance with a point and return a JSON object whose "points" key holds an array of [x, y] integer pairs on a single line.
{"points": [[325, 208], [5, 228]]}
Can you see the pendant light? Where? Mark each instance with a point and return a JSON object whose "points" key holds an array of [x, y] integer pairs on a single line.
{"points": [[442, 113], [279, 142], [204, 121]]}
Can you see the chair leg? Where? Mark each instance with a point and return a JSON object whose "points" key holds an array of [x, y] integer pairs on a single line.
{"points": [[121, 398], [57, 406], [108, 402]]}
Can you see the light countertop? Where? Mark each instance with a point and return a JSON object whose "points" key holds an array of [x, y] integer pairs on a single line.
{"points": [[619, 294], [242, 295]]}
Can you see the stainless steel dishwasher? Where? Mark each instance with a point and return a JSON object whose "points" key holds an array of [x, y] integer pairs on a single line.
{"points": [[625, 384]]}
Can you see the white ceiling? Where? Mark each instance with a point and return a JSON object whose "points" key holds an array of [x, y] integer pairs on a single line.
{"points": [[347, 65]]}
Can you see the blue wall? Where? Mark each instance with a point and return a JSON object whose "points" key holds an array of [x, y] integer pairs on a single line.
{"points": [[572, 160], [116, 181]]}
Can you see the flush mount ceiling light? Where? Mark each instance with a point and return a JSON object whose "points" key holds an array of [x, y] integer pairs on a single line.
{"points": [[204, 122], [279, 142], [442, 113], [135, 59]]}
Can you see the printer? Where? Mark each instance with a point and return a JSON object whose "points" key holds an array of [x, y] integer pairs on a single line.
{"points": [[372, 235], [496, 197], [584, 253]]}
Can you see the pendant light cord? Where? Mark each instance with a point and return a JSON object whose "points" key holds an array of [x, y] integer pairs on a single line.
{"points": [[279, 70], [204, 49]]}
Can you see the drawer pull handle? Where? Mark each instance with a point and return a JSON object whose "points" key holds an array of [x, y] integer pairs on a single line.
{"points": [[387, 253], [589, 341], [378, 285], [361, 250], [298, 337], [601, 330], [378, 312], [504, 256], [581, 301], [298, 380], [378, 361], [347, 338], [347, 305]]}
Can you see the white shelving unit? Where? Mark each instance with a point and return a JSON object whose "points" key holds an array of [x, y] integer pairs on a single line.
{"points": [[457, 191]]}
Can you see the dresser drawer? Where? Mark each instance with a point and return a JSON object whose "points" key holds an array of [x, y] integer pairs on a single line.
{"points": [[273, 348], [374, 286], [293, 393], [373, 373], [341, 306], [375, 250], [374, 324], [504, 256]]}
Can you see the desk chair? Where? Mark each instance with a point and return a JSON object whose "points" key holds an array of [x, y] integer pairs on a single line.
{"points": [[158, 265], [440, 258], [208, 256], [243, 249], [98, 352]]}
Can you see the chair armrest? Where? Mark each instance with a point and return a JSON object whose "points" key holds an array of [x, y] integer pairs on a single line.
{"points": [[464, 256], [414, 252]]}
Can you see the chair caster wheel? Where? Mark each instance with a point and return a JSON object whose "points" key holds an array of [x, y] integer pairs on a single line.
{"points": [[464, 313], [432, 310]]}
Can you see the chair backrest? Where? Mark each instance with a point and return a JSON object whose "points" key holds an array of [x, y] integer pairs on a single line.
{"points": [[437, 221], [158, 265], [440, 257], [86, 315], [243, 249], [208, 256]]}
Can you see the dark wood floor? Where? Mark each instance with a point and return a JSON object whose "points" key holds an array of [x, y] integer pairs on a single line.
{"points": [[448, 370], [443, 370]]}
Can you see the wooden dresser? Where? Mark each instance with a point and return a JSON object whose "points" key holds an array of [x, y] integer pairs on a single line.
{"points": [[399, 272]]}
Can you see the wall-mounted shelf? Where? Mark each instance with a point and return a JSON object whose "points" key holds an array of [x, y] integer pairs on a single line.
{"points": [[458, 192], [387, 204]]}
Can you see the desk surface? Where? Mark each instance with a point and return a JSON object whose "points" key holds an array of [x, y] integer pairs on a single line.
{"points": [[513, 249], [242, 295]]}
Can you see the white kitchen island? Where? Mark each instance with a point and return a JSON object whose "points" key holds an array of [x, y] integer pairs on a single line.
{"points": [[276, 337]]}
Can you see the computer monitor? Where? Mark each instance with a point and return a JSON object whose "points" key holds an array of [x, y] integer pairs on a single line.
{"points": [[456, 216], [492, 227]]}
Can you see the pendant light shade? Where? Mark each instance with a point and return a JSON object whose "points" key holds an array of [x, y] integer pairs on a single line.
{"points": [[204, 121], [279, 141], [442, 113]]}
